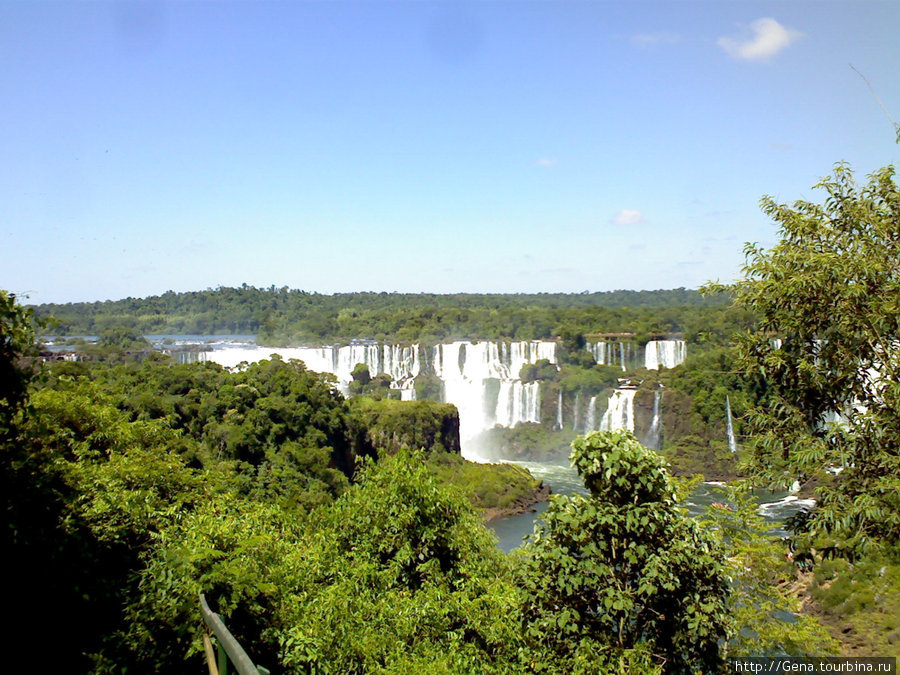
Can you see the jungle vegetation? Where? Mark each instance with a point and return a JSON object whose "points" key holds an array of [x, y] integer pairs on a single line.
{"points": [[327, 545], [280, 316]]}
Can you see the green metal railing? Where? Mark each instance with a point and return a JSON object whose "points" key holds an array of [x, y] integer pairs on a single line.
{"points": [[229, 650]]}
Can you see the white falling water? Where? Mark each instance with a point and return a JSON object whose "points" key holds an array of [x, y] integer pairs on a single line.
{"points": [[620, 412], [575, 415], [611, 353], [602, 351], [590, 424], [400, 362], [732, 442], [559, 419], [655, 433], [517, 402], [466, 367], [664, 354]]}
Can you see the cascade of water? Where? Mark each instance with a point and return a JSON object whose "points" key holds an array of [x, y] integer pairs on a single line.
{"points": [[620, 413], [466, 367], [516, 402], [612, 353], [601, 352], [591, 422], [576, 414], [401, 363], [732, 443], [664, 354], [654, 435], [559, 420]]}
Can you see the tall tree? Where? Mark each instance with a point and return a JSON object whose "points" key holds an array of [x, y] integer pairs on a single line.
{"points": [[826, 352], [623, 574]]}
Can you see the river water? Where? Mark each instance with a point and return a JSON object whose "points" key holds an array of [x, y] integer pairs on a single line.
{"points": [[775, 507]]}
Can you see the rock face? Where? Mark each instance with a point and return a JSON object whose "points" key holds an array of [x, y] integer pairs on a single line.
{"points": [[388, 425]]}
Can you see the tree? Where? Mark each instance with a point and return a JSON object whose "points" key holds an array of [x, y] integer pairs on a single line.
{"points": [[623, 572], [826, 349], [17, 341]]}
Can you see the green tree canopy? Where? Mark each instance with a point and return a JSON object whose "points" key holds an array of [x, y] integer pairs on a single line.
{"points": [[17, 340], [827, 348], [624, 569]]}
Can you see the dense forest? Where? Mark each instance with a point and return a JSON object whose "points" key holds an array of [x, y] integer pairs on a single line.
{"points": [[343, 535], [282, 315]]}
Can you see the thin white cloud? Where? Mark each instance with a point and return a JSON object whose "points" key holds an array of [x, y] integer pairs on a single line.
{"points": [[645, 40], [769, 37], [547, 162], [628, 217]]}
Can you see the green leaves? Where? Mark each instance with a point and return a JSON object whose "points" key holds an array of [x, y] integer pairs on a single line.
{"points": [[624, 567], [619, 470], [829, 292]]}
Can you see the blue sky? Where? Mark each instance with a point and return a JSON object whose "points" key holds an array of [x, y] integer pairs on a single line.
{"points": [[416, 146]]}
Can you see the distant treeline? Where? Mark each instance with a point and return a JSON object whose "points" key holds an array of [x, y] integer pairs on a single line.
{"points": [[282, 315]]}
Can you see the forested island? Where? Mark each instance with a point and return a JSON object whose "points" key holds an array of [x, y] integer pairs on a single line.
{"points": [[337, 528]]}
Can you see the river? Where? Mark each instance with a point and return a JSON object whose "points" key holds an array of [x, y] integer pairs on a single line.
{"points": [[775, 507]]}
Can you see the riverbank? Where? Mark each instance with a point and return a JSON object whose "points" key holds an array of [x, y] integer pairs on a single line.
{"points": [[523, 504]]}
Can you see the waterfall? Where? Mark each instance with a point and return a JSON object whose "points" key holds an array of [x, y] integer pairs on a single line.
{"points": [[559, 420], [664, 354], [575, 413], [732, 443], [611, 353], [591, 421], [654, 435], [466, 368], [401, 363], [480, 378], [516, 402], [602, 352], [620, 413]]}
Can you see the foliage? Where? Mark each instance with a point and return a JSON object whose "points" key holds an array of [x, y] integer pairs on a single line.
{"points": [[764, 606], [540, 370], [283, 429], [827, 297], [229, 548], [588, 381], [387, 425], [400, 575], [124, 338], [693, 455], [280, 315], [86, 492], [486, 486], [624, 567], [861, 602], [17, 341]]}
